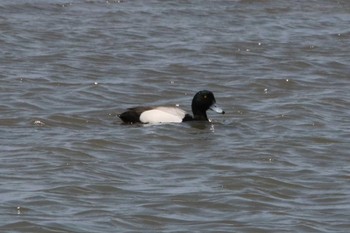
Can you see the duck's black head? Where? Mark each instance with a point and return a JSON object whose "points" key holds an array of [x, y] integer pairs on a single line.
{"points": [[202, 101]]}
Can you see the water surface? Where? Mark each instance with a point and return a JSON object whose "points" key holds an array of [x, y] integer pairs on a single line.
{"points": [[277, 161]]}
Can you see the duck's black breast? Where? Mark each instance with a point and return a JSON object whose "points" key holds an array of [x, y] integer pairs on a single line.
{"points": [[188, 117]]}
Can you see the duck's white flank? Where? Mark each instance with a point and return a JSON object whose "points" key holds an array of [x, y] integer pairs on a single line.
{"points": [[163, 115]]}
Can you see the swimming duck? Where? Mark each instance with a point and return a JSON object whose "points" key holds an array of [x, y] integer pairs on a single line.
{"points": [[201, 102]]}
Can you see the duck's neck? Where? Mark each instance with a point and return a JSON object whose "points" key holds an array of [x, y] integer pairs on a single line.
{"points": [[199, 111], [199, 115]]}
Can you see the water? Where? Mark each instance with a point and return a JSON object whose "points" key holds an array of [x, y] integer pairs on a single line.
{"points": [[277, 161]]}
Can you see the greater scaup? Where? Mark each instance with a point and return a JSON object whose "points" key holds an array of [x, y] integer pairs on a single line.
{"points": [[202, 101]]}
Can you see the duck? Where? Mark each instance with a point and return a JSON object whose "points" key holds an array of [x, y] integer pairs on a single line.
{"points": [[201, 102]]}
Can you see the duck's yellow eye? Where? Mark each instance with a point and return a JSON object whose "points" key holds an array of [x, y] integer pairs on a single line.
{"points": [[205, 96]]}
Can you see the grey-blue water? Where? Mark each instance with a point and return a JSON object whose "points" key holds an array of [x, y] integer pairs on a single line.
{"points": [[277, 161]]}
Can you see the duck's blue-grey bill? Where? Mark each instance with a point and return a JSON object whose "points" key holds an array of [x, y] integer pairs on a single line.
{"points": [[217, 109]]}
